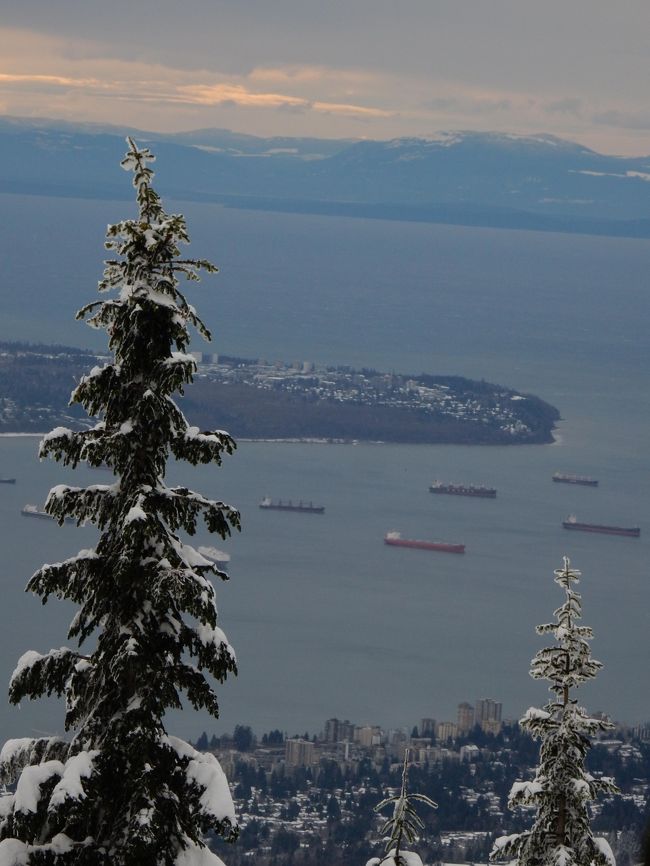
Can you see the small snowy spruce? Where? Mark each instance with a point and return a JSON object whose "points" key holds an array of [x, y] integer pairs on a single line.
{"points": [[403, 824], [121, 790], [562, 788]]}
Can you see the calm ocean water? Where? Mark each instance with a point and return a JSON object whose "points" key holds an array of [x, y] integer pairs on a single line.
{"points": [[325, 619]]}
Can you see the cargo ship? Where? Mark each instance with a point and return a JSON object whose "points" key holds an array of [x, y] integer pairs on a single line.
{"points": [[572, 523], [7, 480], [35, 511], [585, 480], [220, 558], [463, 490], [306, 507], [395, 539]]}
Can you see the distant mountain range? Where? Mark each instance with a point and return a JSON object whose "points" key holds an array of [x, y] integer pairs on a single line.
{"points": [[463, 178]]}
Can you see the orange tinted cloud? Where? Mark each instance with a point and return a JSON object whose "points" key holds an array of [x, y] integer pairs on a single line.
{"points": [[237, 94], [80, 80], [218, 94], [37, 70], [8, 78]]}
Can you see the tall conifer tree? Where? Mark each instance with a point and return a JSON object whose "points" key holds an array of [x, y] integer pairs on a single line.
{"points": [[122, 790], [404, 824], [562, 788]]}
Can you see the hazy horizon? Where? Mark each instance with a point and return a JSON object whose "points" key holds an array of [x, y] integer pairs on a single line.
{"points": [[360, 69]]}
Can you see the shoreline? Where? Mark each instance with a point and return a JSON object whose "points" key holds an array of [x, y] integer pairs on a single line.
{"points": [[311, 440]]}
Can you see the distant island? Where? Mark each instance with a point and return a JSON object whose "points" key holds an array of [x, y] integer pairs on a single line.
{"points": [[257, 399], [466, 178]]}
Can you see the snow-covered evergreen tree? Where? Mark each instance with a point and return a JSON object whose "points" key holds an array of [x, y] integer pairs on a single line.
{"points": [[562, 788], [121, 790], [403, 825]]}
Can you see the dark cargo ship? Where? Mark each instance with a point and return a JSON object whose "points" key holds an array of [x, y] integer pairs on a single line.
{"points": [[306, 507], [585, 480], [573, 523], [463, 490]]}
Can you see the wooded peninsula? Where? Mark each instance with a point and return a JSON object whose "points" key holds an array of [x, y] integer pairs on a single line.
{"points": [[258, 399]]}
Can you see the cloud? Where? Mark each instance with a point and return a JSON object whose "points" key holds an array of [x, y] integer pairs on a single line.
{"points": [[468, 101], [321, 75], [622, 119], [301, 92], [47, 80], [298, 89], [234, 94], [352, 110], [567, 105]]}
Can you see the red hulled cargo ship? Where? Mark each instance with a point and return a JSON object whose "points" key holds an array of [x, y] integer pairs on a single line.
{"points": [[395, 539]]}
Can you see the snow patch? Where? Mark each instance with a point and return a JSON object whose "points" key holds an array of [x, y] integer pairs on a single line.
{"points": [[533, 713], [57, 433], [210, 636], [193, 856], [604, 848], [27, 660], [13, 853], [136, 512], [13, 747], [502, 841], [78, 767], [406, 858], [526, 789], [28, 789], [205, 772]]}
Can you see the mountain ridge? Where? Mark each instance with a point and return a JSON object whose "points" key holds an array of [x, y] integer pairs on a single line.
{"points": [[463, 177]]}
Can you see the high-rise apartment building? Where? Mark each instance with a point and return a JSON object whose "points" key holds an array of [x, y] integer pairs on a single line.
{"points": [[299, 753], [446, 731], [331, 732], [368, 735], [465, 718], [487, 713], [427, 727], [336, 731]]}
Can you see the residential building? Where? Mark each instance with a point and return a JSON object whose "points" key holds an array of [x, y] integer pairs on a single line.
{"points": [[299, 753], [465, 717], [487, 714], [446, 731]]}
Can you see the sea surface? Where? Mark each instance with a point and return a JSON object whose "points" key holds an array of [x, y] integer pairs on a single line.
{"points": [[326, 620]]}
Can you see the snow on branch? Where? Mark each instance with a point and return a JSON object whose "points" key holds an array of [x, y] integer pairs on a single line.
{"points": [[202, 446], [392, 858], [37, 674], [70, 787], [194, 855], [205, 775]]}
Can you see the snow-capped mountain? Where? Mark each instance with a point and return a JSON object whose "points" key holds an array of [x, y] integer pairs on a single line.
{"points": [[465, 177]]}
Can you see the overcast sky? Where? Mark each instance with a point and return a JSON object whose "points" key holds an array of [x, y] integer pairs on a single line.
{"points": [[333, 68]]}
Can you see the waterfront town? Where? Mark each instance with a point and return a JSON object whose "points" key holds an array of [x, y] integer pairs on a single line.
{"points": [[259, 399], [441, 398], [310, 799]]}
